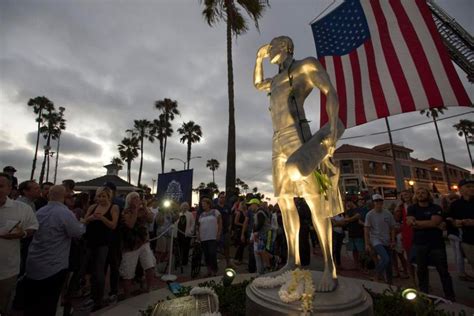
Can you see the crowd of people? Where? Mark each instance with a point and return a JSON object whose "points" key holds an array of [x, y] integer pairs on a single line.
{"points": [[56, 244]]}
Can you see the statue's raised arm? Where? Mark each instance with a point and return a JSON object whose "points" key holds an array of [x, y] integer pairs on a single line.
{"points": [[258, 80]]}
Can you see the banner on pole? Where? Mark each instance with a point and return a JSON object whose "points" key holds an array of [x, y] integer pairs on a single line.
{"points": [[176, 186]]}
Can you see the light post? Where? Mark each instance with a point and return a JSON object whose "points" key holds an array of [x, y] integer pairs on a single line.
{"points": [[412, 183], [195, 157], [153, 181], [184, 162]]}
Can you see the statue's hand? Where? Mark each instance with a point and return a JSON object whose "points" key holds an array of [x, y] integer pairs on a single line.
{"points": [[264, 51]]}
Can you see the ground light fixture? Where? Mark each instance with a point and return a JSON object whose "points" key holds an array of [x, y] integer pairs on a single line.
{"points": [[409, 294], [229, 275], [166, 203]]}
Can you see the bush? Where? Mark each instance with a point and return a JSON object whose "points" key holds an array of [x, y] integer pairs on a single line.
{"points": [[391, 303]]}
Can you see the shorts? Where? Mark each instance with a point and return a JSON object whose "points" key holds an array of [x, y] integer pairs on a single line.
{"points": [[356, 244], [130, 260]]}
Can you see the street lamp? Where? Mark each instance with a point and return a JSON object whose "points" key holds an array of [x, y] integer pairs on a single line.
{"points": [[411, 183], [184, 162]]}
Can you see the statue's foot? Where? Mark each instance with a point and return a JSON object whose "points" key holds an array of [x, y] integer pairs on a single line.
{"points": [[327, 283]]}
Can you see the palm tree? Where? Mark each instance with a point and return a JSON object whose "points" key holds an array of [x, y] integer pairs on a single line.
{"points": [[191, 134], [466, 128], [161, 131], [53, 124], [434, 113], [39, 104], [230, 12], [213, 165], [128, 150], [255, 190], [142, 129], [213, 187], [201, 186], [118, 162], [168, 108], [61, 114]]}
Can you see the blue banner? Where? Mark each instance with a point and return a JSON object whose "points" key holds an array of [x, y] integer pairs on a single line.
{"points": [[177, 186]]}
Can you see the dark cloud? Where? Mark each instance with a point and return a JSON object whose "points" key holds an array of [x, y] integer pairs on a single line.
{"points": [[69, 144], [107, 62]]}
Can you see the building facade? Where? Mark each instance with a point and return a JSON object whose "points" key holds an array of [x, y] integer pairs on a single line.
{"points": [[372, 170]]}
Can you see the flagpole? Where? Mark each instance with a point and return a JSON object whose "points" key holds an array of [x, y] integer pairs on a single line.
{"points": [[398, 180]]}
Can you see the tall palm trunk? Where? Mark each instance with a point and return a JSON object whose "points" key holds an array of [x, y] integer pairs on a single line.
{"points": [[129, 174], [469, 150], [57, 159], [141, 161], [189, 153], [442, 154], [162, 159], [47, 167], [46, 155], [213, 180], [37, 144], [230, 168]]}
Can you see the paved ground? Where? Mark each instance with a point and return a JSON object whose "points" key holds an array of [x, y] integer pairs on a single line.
{"points": [[464, 290]]}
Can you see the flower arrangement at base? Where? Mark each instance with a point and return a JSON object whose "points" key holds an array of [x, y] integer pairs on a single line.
{"points": [[295, 285]]}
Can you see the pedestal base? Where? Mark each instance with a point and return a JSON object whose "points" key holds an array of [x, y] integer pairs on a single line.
{"points": [[348, 299]]}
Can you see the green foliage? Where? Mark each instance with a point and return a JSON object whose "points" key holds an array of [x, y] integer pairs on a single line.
{"points": [[392, 303]]}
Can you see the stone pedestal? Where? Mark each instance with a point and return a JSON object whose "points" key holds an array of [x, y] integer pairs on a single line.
{"points": [[348, 299]]}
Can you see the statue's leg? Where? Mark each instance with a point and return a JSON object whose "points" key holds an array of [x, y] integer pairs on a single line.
{"points": [[291, 222], [324, 229]]}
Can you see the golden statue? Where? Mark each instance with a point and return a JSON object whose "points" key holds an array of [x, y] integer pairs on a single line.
{"points": [[302, 163]]}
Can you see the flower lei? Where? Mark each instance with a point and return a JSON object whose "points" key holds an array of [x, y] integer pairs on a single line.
{"points": [[295, 285]]}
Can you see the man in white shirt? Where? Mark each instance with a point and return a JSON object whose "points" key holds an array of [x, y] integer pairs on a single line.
{"points": [[17, 221]]}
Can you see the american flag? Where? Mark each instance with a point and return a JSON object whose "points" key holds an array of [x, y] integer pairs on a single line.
{"points": [[385, 57]]}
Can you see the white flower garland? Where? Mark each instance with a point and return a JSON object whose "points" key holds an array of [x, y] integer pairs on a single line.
{"points": [[295, 285]]}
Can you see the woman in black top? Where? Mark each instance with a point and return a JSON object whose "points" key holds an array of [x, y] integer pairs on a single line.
{"points": [[240, 240], [101, 219]]}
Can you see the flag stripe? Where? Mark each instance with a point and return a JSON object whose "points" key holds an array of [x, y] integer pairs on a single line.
{"points": [[388, 86], [379, 99], [459, 91], [435, 63], [341, 89], [394, 66], [417, 52], [409, 70], [359, 100], [369, 105], [349, 83], [323, 113]]}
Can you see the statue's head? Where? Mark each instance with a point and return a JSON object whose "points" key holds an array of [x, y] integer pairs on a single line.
{"points": [[280, 48]]}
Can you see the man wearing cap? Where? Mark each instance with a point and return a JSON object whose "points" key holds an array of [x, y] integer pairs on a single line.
{"points": [[463, 215], [425, 217], [379, 233]]}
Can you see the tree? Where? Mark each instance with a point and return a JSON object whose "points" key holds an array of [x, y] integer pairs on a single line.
{"points": [[118, 162], [39, 105], [169, 109], [255, 190], [142, 129], [61, 114], [229, 11], [191, 134], [466, 128], [213, 165], [53, 124], [434, 114], [213, 187], [200, 187], [161, 130], [128, 150]]}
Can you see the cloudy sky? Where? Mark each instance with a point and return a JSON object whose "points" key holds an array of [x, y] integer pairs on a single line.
{"points": [[107, 62]]}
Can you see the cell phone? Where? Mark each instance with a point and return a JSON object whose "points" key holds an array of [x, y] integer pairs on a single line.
{"points": [[14, 226]]}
